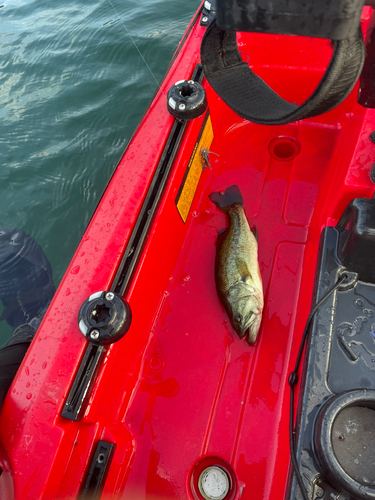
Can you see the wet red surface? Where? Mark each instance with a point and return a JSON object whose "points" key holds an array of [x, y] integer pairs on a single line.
{"points": [[181, 386]]}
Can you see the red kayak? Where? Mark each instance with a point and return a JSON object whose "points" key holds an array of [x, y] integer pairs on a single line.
{"points": [[136, 385]]}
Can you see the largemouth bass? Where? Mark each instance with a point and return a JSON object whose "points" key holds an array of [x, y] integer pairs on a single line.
{"points": [[237, 273]]}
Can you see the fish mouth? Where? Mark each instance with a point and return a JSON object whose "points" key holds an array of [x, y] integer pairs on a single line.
{"points": [[251, 324], [248, 322]]}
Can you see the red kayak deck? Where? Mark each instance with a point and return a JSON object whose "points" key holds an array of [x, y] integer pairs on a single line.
{"points": [[181, 387]]}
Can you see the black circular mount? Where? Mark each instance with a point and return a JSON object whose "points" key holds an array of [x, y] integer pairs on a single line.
{"points": [[104, 318], [186, 100]]}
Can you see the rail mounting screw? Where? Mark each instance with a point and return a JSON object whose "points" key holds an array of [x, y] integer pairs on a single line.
{"points": [[95, 334], [109, 296]]}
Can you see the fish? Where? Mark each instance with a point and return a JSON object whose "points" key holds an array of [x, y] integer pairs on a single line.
{"points": [[237, 273]]}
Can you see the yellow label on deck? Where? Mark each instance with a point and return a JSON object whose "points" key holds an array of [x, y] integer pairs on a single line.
{"points": [[194, 170]]}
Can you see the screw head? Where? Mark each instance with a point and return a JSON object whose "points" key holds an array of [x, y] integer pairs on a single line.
{"points": [[204, 19], [95, 334], [109, 296], [182, 107]]}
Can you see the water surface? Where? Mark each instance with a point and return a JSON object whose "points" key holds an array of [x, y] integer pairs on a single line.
{"points": [[73, 88]]}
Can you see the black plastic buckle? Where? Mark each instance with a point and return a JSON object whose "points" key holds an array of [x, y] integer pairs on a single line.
{"points": [[208, 12]]}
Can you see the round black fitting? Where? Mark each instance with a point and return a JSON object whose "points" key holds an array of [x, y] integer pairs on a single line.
{"points": [[340, 446], [372, 137], [186, 100], [104, 318], [350, 280], [293, 379]]}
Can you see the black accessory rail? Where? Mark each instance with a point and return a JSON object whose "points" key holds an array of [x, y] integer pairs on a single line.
{"points": [[84, 380], [142, 226], [93, 486]]}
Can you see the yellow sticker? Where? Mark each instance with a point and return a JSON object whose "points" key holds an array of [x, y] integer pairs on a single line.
{"points": [[194, 170]]}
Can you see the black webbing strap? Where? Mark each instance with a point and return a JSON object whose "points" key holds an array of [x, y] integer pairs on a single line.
{"points": [[251, 98]]}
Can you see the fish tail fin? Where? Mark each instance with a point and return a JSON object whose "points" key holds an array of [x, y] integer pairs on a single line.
{"points": [[224, 199]]}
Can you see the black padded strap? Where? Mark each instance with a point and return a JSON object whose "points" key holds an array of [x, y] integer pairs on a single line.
{"points": [[251, 98]]}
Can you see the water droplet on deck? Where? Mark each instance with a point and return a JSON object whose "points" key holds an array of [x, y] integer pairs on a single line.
{"points": [[359, 303]]}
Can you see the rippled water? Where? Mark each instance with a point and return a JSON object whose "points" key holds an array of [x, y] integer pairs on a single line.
{"points": [[73, 88]]}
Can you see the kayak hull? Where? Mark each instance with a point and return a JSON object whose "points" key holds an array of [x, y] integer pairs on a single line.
{"points": [[181, 386]]}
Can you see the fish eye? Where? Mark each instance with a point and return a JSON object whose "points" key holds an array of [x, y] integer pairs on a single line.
{"points": [[238, 318]]}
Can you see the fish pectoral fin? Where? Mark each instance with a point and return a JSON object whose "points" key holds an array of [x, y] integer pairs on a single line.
{"points": [[248, 279], [243, 270]]}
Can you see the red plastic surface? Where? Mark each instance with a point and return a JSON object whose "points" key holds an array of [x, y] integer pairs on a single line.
{"points": [[181, 387]]}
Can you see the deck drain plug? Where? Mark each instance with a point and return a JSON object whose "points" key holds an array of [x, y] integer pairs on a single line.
{"points": [[214, 483]]}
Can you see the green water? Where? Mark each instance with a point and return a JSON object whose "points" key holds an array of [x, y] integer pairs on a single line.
{"points": [[73, 88]]}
